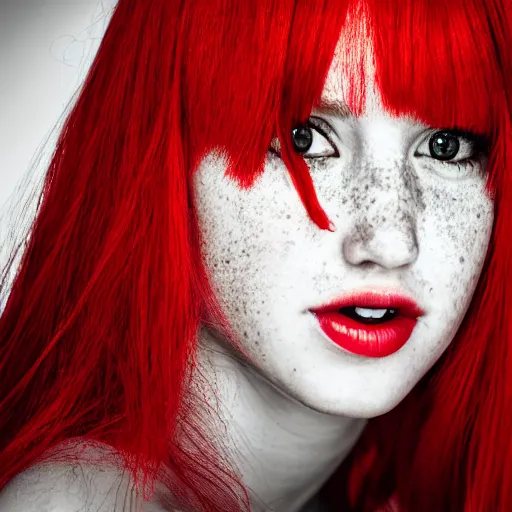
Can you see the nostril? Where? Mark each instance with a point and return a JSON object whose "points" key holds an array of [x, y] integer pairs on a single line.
{"points": [[366, 265]]}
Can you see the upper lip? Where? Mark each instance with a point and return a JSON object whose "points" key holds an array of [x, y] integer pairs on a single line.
{"points": [[378, 299]]}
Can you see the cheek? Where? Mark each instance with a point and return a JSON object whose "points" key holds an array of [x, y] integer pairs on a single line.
{"points": [[454, 234], [240, 227], [247, 238]]}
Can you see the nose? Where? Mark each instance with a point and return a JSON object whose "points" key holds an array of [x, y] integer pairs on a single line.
{"points": [[386, 197], [383, 230], [388, 246]]}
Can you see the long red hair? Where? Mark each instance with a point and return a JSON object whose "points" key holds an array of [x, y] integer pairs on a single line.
{"points": [[98, 333]]}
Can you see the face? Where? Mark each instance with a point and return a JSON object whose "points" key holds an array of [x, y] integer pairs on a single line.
{"points": [[412, 222]]}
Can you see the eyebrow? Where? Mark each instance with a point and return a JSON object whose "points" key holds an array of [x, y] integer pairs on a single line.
{"points": [[333, 108]]}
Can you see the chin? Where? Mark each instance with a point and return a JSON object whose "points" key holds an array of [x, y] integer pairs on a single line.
{"points": [[363, 405]]}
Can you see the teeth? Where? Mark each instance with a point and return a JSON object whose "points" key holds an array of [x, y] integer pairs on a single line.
{"points": [[370, 313]]}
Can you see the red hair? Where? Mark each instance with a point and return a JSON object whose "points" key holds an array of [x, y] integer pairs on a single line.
{"points": [[97, 339]]}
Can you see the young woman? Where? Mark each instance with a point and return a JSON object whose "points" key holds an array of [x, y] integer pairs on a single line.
{"points": [[272, 251]]}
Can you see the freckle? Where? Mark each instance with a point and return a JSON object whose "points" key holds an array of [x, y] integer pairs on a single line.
{"points": [[461, 259], [258, 334], [477, 215], [454, 199], [227, 262], [295, 369], [373, 201], [245, 333], [215, 265], [258, 312], [366, 187]]}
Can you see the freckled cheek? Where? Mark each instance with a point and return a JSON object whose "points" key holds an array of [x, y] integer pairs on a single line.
{"points": [[334, 183], [471, 227], [453, 236], [246, 272], [253, 233], [251, 247]]}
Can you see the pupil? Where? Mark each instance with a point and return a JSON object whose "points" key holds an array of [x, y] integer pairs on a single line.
{"points": [[302, 138], [444, 146]]}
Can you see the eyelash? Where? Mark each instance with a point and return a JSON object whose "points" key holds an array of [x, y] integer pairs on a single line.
{"points": [[320, 126], [479, 146], [324, 129]]}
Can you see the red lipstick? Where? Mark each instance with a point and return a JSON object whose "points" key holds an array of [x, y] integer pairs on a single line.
{"points": [[369, 323]]}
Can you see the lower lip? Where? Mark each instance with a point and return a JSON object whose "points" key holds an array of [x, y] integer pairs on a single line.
{"points": [[377, 340]]}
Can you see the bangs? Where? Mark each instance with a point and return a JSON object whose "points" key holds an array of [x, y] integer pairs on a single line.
{"points": [[437, 61], [255, 66], [252, 71]]}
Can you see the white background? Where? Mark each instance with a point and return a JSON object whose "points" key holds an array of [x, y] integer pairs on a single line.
{"points": [[46, 47]]}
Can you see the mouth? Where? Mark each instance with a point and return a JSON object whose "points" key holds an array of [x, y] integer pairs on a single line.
{"points": [[369, 324]]}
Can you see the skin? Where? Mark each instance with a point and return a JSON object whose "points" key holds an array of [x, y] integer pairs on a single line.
{"points": [[287, 412], [91, 483], [398, 226], [295, 402]]}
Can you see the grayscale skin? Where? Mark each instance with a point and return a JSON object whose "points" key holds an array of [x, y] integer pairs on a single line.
{"points": [[289, 411]]}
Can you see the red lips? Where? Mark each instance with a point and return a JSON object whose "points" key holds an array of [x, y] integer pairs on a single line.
{"points": [[365, 337]]}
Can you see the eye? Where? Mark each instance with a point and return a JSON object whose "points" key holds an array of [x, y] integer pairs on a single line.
{"points": [[444, 146], [452, 153], [451, 146], [311, 140]]}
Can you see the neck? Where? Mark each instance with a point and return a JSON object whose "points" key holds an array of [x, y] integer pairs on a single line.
{"points": [[282, 450]]}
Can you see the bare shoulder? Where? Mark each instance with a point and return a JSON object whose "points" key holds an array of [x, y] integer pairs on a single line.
{"points": [[72, 487], [60, 488]]}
